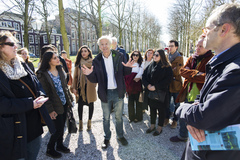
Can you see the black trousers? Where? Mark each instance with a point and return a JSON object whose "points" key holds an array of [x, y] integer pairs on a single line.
{"points": [[81, 103], [132, 112], [59, 123], [154, 108]]}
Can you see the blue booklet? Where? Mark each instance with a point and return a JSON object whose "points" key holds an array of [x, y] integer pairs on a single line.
{"points": [[225, 139]]}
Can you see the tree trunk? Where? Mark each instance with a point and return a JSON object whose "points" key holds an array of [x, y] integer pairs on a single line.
{"points": [[99, 19], [26, 44], [63, 27]]}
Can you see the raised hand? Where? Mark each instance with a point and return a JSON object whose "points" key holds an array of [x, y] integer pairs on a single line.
{"points": [[129, 63], [86, 70]]}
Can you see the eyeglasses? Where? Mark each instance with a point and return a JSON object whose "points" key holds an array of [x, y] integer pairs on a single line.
{"points": [[136, 55], [9, 44], [155, 54], [171, 46]]}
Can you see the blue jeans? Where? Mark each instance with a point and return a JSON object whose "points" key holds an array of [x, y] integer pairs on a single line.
{"points": [[33, 148], [175, 106], [183, 132], [112, 96]]}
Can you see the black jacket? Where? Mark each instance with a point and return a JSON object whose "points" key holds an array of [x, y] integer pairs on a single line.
{"points": [[158, 76], [13, 138], [99, 74], [219, 102]]}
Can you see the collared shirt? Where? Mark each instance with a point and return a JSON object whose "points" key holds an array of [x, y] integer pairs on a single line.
{"points": [[216, 56], [112, 84]]}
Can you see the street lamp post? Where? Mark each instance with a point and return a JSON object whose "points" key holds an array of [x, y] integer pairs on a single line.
{"points": [[37, 24]]}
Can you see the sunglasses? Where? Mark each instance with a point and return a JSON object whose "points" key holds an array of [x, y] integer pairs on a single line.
{"points": [[156, 55], [9, 44], [136, 55]]}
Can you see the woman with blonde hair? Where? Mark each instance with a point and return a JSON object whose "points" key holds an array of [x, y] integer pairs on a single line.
{"points": [[23, 52], [84, 90]]}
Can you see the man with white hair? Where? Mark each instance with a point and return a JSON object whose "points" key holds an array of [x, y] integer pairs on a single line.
{"points": [[218, 104], [108, 71], [115, 47]]}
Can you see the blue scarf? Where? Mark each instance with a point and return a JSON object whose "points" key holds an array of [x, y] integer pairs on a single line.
{"points": [[172, 57]]}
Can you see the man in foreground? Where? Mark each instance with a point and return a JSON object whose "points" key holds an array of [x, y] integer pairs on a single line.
{"points": [[218, 105]]}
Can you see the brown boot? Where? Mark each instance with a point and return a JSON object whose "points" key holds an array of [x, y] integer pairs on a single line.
{"points": [[174, 125], [89, 126], [166, 122], [80, 125]]}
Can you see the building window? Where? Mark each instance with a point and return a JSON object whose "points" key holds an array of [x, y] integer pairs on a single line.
{"points": [[88, 36], [32, 49], [45, 41], [16, 26], [18, 36], [93, 37], [31, 39], [73, 34], [36, 39], [57, 38], [9, 24], [83, 35], [73, 46], [52, 39], [54, 30]]}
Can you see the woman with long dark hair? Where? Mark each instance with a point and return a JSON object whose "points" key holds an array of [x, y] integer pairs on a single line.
{"points": [[134, 87], [157, 76], [84, 90], [21, 107], [53, 80]]}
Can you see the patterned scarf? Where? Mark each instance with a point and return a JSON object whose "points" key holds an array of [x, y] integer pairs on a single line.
{"points": [[87, 63], [15, 72]]}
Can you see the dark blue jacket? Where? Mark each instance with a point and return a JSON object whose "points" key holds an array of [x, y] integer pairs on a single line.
{"points": [[13, 138], [219, 102], [99, 74], [124, 53]]}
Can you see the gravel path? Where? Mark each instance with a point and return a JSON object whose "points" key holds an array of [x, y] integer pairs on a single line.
{"points": [[87, 145]]}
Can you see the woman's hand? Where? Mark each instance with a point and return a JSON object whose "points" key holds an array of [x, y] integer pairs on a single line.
{"points": [[86, 70], [136, 79], [75, 92], [37, 104], [53, 115], [152, 88]]}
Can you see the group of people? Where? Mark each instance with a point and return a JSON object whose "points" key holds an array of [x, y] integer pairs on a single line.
{"points": [[209, 92]]}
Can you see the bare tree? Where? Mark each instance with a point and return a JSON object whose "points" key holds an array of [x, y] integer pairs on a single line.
{"points": [[25, 8], [43, 8], [119, 16], [63, 26]]}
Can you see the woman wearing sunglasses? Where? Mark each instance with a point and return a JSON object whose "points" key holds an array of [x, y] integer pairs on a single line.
{"points": [[157, 76], [21, 102], [53, 79], [134, 87]]}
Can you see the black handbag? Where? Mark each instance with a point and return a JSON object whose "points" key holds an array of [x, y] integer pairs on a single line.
{"points": [[71, 123], [158, 95]]}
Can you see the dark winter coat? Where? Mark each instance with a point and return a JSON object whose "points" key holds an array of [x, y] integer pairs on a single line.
{"points": [[99, 75], [13, 131], [219, 102], [158, 76]]}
